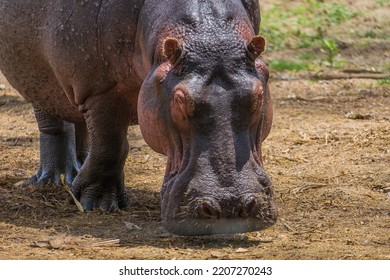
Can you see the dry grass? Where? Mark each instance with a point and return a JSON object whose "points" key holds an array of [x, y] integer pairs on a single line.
{"points": [[331, 175], [328, 155]]}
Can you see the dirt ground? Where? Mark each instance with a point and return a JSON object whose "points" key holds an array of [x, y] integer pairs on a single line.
{"points": [[328, 156]]}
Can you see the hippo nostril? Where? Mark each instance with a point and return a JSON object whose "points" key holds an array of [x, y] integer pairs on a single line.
{"points": [[208, 209], [249, 206]]}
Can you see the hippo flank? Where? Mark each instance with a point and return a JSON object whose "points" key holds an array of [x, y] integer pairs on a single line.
{"points": [[189, 72]]}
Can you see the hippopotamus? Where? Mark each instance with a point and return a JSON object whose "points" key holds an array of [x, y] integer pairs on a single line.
{"points": [[190, 73]]}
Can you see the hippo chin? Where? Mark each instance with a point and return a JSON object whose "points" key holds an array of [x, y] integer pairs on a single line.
{"points": [[189, 72]]}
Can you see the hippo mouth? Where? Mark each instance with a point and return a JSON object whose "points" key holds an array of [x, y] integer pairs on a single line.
{"points": [[190, 227], [185, 212], [185, 223]]}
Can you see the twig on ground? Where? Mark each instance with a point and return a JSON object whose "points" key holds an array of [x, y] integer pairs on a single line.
{"points": [[79, 206], [339, 76]]}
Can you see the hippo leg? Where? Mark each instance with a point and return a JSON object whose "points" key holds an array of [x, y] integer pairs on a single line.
{"points": [[57, 151], [100, 182], [81, 142]]}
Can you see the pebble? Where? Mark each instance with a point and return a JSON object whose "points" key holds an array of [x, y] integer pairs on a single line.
{"points": [[241, 250], [132, 227]]}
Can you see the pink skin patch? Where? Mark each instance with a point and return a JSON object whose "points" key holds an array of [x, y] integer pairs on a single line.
{"points": [[181, 107]]}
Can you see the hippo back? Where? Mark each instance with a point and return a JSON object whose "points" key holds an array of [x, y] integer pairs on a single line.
{"points": [[67, 50]]}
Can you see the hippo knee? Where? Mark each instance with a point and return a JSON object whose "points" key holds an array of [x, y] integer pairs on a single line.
{"points": [[48, 124]]}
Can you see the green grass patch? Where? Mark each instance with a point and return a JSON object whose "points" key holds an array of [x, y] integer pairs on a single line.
{"points": [[383, 3], [330, 48], [375, 35], [286, 65], [370, 34], [308, 56], [302, 24], [385, 81]]}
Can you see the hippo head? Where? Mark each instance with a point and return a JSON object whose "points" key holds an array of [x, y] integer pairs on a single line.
{"points": [[206, 106]]}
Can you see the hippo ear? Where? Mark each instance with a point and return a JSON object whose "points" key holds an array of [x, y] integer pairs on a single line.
{"points": [[172, 49], [256, 46]]}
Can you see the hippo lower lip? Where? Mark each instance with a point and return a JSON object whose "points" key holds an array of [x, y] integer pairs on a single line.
{"points": [[220, 226], [186, 224]]}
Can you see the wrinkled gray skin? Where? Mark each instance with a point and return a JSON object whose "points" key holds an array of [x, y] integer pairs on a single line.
{"points": [[187, 71]]}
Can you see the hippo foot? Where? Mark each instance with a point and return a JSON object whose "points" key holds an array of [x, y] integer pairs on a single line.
{"points": [[57, 151], [107, 198], [52, 176], [45, 178]]}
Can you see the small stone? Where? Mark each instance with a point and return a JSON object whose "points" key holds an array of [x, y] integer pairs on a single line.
{"points": [[132, 227], [266, 240], [217, 254], [359, 116], [350, 242], [242, 250], [41, 244], [22, 183]]}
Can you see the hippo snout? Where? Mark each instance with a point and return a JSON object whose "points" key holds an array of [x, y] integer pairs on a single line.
{"points": [[206, 208], [249, 204], [210, 208], [207, 215]]}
